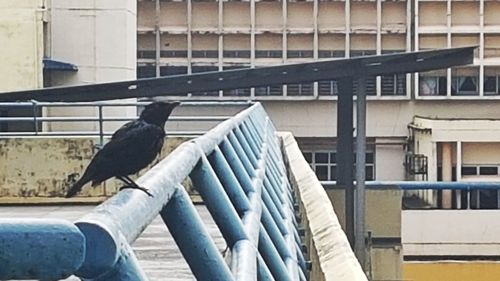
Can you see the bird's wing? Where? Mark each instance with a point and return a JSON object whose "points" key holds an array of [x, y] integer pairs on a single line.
{"points": [[138, 143], [125, 128]]}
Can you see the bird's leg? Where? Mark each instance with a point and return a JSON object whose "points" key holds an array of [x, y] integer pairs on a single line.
{"points": [[132, 184]]}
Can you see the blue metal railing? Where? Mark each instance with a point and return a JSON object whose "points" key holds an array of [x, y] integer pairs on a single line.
{"points": [[239, 171]]}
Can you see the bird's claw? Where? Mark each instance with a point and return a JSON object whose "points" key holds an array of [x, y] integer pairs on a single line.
{"points": [[137, 187]]}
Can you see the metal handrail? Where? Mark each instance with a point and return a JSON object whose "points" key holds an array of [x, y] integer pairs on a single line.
{"points": [[237, 168], [99, 118]]}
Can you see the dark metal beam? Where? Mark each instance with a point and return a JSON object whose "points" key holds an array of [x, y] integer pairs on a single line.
{"points": [[246, 78], [345, 151]]}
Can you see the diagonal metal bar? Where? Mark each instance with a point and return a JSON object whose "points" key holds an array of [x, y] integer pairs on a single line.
{"points": [[252, 77], [193, 240]]}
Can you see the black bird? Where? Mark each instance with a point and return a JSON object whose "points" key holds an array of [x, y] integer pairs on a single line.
{"points": [[131, 148]]}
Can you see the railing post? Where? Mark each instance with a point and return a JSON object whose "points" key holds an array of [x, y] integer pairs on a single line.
{"points": [[193, 240], [101, 126]]}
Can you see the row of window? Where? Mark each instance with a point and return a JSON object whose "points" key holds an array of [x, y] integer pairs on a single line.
{"points": [[460, 85], [151, 54], [324, 164], [392, 85]]}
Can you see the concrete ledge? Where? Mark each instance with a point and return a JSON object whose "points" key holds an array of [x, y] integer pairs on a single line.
{"points": [[328, 247]]}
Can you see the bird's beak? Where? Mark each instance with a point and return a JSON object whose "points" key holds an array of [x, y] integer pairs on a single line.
{"points": [[175, 104]]}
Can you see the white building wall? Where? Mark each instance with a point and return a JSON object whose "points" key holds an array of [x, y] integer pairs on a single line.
{"points": [[100, 37], [21, 47]]}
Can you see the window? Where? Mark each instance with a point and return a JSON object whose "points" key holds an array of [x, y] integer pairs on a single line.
{"points": [[303, 89], [432, 85], [331, 54], [324, 163], [274, 90], [268, 54], [328, 88], [465, 81], [394, 85], [491, 81]]}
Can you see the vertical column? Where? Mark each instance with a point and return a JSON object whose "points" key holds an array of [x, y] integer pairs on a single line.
{"points": [[481, 47], [284, 39], [189, 36], [220, 31], [416, 88], [459, 172], [448, 39], [345, 151], [409, 48], [360, 169], [252, 40], [379, 44], [315, 40], [347, 10], [446, 172], [157, 38]]}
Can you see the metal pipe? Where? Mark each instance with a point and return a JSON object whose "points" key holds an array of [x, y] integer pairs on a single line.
{"points": [[271, 257], [229, 181], [360, 247], [345, 151], [25, 245], [110, 119], [426, 185], [237, 166], [108, 103], [195, 243], [101, 127], [218, 203]]}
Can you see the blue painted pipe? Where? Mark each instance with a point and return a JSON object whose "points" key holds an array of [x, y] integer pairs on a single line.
{"points": [[434, 185], [218, 203], [252, 141], [274, 233], [237, 166], [249, 167], [252, 155], [47, 249], [194, 241], [229, 181], [272, 257], [273, 210], [263, 273]]}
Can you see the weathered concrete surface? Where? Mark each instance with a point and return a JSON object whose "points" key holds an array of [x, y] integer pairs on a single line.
{"points": [[155, 249], [329, 249], [46, 167]]}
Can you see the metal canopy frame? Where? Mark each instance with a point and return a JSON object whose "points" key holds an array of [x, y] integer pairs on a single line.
{"points": [[251, 77], [346, 71]]}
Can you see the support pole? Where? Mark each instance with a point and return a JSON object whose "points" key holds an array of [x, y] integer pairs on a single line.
{"points": [[345, 151], [360, 248]]}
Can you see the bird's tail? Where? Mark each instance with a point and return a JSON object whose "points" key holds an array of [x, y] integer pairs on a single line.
{"points": [[77, 187]]}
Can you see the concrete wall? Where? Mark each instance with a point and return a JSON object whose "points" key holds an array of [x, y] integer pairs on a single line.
{"points": [[21, 50], [46, 167], [451, 232], [383, 220]]}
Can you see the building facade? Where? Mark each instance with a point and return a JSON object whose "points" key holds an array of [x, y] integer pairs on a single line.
{"points": [[438, 125], [189, 36]]}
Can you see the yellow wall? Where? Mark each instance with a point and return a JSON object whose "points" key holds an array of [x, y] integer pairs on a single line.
{"points": [[46, 167], [21, 47], [451, 271]]}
